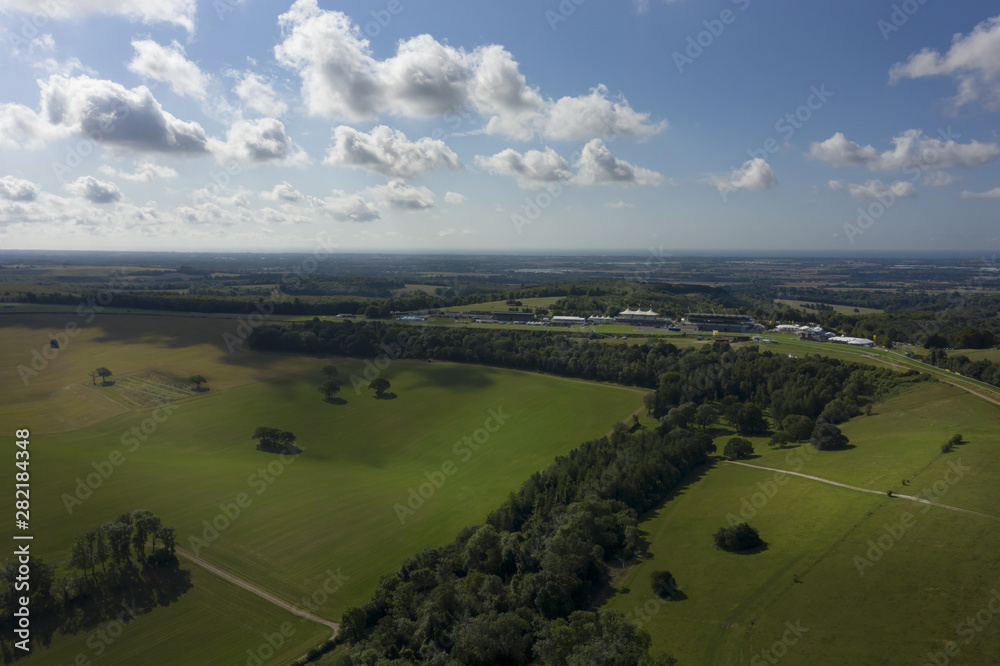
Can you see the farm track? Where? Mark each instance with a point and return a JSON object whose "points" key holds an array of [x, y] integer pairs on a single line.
{"points": [[865, 490], [249, 587]]}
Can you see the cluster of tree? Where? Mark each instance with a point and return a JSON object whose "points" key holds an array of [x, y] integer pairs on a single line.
{"points": [[519, 587], [737, 538], [610, 298], [130, 559], [984, 370], [275, 440], [953, 441], [101, 372], [117, 541]]}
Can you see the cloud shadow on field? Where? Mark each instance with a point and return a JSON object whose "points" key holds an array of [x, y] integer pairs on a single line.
{"points": [[458, 377]]}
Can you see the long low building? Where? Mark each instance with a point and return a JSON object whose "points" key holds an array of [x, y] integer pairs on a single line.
{"points": [[730, 323], [854, 342], [563, 320], [519, 317]]}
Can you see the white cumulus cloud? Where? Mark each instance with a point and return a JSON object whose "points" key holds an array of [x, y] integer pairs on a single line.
{"points": [[973, 61], [342, 79], [95, 191], [597, 166], [283, 191], [17, 189], [260, 141], [532, 169], [345, 207], [911, 150], [876, 189], [755, 174], [169, 64], [259, 95], [388, 152], [400, 195], [177, 12]]}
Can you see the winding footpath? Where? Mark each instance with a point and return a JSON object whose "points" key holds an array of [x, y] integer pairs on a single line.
{"points": [[239, 582], [921, 500]]}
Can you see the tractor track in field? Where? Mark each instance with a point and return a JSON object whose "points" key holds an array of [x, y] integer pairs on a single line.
{"points": [[250, 587], [911, 498]]}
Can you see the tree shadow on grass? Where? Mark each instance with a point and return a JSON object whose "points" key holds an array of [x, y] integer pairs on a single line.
{"points": [[749, 551], [122, 597], [334, 400], [388, 395]]}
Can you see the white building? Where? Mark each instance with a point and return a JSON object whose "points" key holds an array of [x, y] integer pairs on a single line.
{"points": [[561, 320], [854, 342]]}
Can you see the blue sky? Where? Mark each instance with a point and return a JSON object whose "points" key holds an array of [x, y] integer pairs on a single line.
{"points": [[393, 125]]}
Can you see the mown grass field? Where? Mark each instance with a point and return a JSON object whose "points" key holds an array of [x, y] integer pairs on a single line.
{"points": [[842, 309], [501, 306], [213, 623], [331, 509], [913, 598]]}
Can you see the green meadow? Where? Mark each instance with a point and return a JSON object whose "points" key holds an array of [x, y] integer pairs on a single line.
{"points": [[378, 479], [861, 578]]}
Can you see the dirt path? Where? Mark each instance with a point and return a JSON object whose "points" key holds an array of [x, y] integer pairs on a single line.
{"points": [[921, 500], [239, 582]]}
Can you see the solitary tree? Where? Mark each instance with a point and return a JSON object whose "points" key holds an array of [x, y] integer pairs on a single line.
{"points": [[330, 371], [103, 373], [197, 380], [329, 388], [663, 583], [827, 436], [738, 448], [380, 385], [737, 538]]}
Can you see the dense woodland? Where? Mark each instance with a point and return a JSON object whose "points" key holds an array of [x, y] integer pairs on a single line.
{"points": [[522, 586]]}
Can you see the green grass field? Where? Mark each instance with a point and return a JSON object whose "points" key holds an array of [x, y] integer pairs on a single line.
{"points": [[913, 598], [333, 508], [842, 309], [213, 623], [501, 306]]}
